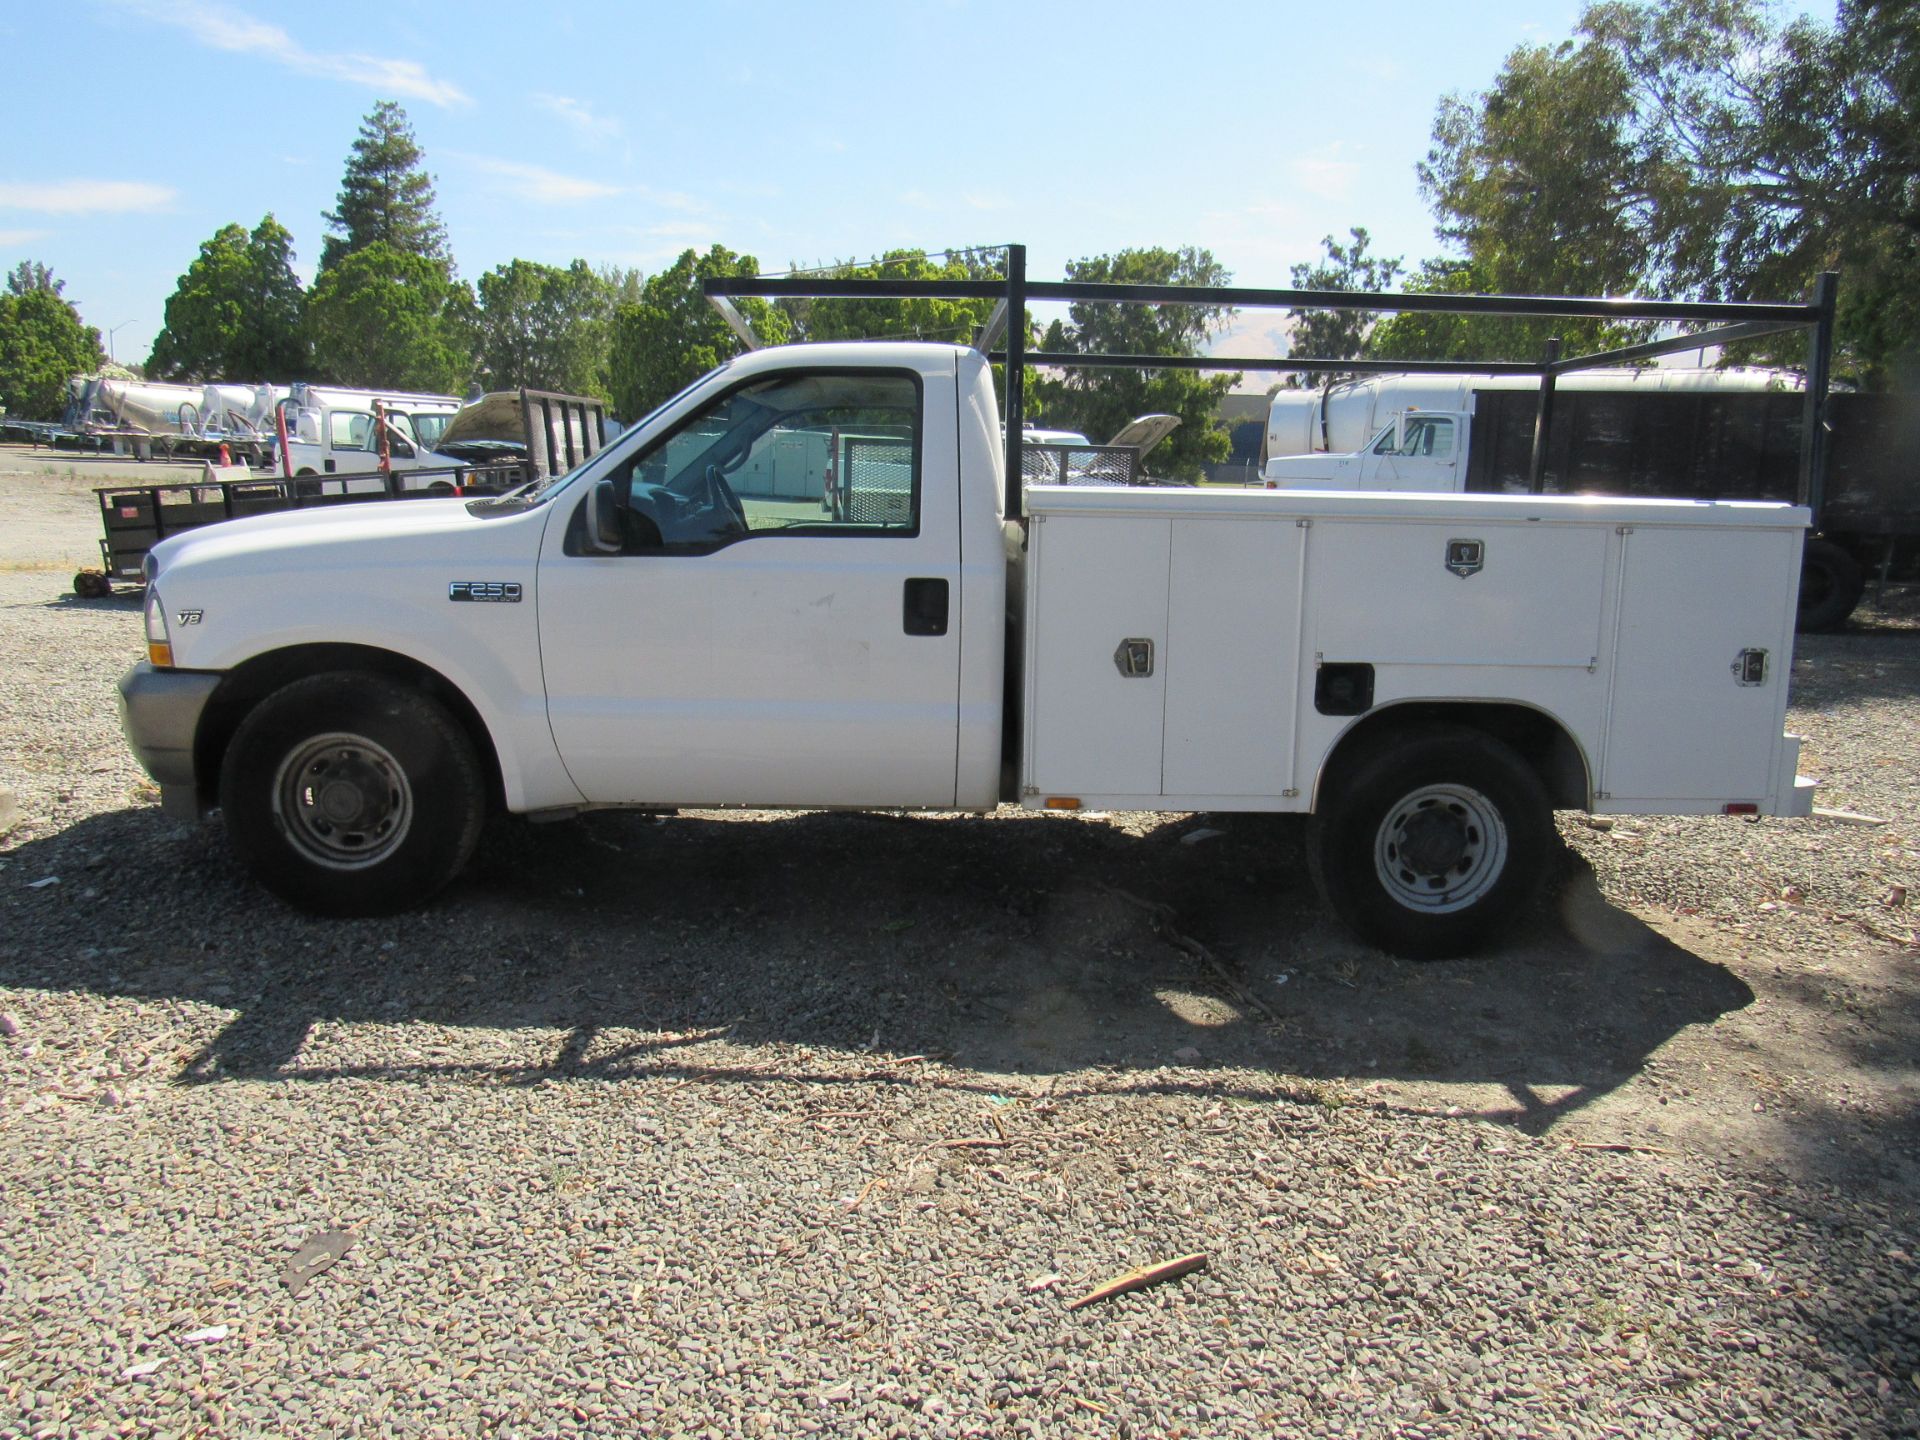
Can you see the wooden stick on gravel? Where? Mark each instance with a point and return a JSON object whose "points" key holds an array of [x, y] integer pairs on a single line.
{"points": [[1139, 1279], [1160, 917]]}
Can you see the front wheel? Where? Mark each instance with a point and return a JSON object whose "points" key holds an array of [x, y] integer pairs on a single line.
{"points": [[349, 794], [1427, 844]]}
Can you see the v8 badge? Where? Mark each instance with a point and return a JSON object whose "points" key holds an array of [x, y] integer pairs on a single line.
{"points": [[1466, 557]]}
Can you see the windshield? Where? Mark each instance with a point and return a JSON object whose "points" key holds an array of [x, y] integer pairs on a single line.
{"points": [[430, 427]]}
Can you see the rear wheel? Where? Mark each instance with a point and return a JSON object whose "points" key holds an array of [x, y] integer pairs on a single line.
{"points": [[1831, 584], [349, 794], [1429, 842]]}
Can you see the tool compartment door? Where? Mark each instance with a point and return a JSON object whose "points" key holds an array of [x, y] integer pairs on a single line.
{"points": [[1097, 581], [1682, 726], [1233, 656]]}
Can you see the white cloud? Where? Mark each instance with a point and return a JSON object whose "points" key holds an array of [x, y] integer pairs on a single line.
{"points": [[84, 197], [680, 230], [540, 185], [9, 238], [1325, 176], [219, 28], [673, 200], [592, 128]]}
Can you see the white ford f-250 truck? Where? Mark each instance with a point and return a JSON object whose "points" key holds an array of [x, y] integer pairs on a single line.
{"points": [[1428, 676]]}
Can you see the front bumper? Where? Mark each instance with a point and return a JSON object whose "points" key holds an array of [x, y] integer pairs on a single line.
{"points": [[160, 711]]}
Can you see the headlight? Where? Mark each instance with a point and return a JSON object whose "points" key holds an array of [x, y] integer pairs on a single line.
{"points": [[159, 646]]}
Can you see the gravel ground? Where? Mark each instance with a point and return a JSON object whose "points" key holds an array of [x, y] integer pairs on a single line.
{"points": [[762, 1125]]}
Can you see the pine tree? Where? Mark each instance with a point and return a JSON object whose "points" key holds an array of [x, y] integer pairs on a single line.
{"points": [[386, 196]]}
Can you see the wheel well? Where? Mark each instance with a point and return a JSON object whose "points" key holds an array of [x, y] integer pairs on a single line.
{"points": [[252, 681], [1534, 735]]}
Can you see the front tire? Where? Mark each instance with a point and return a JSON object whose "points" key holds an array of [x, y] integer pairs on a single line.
{"points": [[349, 794], [1429, 842]]}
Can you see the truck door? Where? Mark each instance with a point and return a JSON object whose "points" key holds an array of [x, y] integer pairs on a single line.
{"points": [[1427, 456], [1369, 468], [349, 441], [748, 645]]}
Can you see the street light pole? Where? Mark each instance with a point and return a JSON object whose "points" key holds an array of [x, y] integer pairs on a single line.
{"points": [[110, 334]]}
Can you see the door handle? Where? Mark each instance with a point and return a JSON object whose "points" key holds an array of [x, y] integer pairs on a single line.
{"points": [[1134, 659], [924, 607]]}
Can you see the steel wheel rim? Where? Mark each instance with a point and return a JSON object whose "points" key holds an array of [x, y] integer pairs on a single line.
{"points": [[343, 801], [1440, 849]]}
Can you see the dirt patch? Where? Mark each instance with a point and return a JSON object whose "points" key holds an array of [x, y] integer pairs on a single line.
{"points": [[48, 512]]}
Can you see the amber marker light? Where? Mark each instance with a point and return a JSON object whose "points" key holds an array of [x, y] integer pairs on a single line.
{"points": [[159, 643], [1063, 802]]}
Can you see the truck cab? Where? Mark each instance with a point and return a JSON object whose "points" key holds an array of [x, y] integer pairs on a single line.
{"points": [[332, 431], [1422, 450]]}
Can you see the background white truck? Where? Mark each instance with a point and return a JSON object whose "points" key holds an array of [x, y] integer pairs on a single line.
{"points": [[1688, 433], [335, 430], [1427, 676], [1345, 417]]}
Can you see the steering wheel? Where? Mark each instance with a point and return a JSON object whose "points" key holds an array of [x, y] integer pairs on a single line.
{"points": [[720, 495]]}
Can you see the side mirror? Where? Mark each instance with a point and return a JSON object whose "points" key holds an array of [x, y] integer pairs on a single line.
{"points": [[604, 531]]}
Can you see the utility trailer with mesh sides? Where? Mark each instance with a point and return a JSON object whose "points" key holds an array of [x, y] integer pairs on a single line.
{"points": [[1426, 677]]}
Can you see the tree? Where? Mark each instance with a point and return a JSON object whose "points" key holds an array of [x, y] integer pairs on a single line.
{"points": [[238, 312], [383, 317], [545, 327], [42, 345], [386, 196], [1339, 334], [673, 335], [1701, 146], [31, 275], [1098, 402], [906, 319], [1437, 336]]}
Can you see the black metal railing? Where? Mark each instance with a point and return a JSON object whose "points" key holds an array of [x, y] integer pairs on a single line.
{"points": [[1733, 319]]}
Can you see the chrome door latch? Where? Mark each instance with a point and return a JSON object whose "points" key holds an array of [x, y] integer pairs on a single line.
{"points": [[1750, 667], [1134, 658]]}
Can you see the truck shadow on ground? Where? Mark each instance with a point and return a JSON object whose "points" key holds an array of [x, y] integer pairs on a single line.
{"points": [[821, 946]]}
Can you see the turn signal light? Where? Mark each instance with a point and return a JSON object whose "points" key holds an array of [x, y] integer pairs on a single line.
{"points": [[159, 642]]}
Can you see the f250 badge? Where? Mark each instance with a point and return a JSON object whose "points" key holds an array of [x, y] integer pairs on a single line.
{"points": [[501, 592]]}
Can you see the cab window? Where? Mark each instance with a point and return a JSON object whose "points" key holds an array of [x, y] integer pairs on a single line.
{"points": [[1430, 438], [348, 430], [814, 454]]}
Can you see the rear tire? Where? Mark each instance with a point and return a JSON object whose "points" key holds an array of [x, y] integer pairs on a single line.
{"points": [[349, 794], [1831, 584], [1428, 842]]}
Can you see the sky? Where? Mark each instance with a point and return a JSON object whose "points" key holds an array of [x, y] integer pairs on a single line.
{"points": [[625, 133]]}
